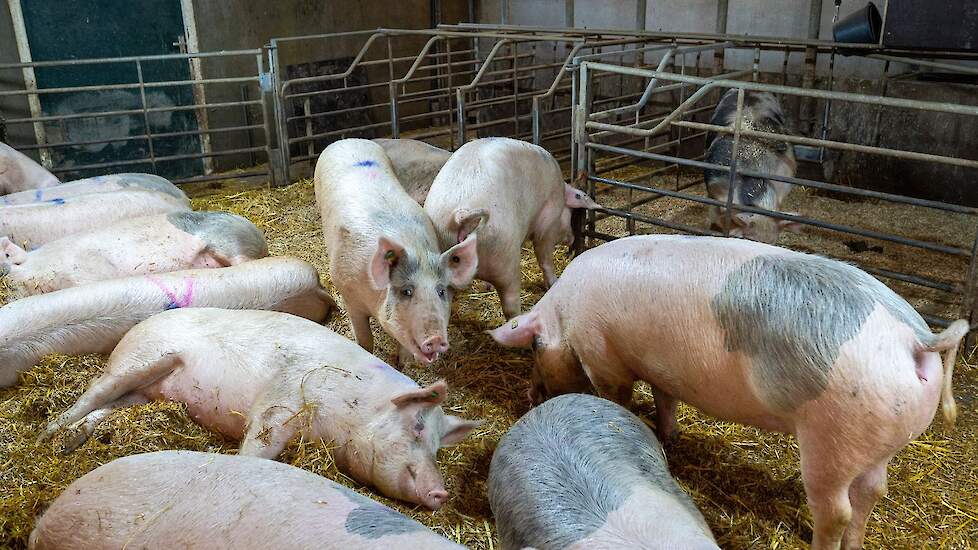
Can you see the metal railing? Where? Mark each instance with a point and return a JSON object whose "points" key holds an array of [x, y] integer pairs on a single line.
{"points": [[593, 128], [244, 132]]}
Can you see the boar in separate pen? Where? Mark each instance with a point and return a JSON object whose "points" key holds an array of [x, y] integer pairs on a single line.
{"points": [[756, 334], [38, 223], [19, 172], [97, 184], [266, 377], [581, 473], [138, 246], [507, 191], [762, 113], [93, 318], [415, 164], [186, 499], [383, 253]]}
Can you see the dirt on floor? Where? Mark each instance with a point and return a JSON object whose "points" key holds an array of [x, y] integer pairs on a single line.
{"points": [[746, 482]]}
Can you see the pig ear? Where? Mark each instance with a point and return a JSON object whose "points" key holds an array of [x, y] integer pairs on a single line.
{"points": [[518, 332], [11, 252], [386, 256], [575, 198], [466, 221], [427, 397], [462, 261], [457, 429], [788, 225]]}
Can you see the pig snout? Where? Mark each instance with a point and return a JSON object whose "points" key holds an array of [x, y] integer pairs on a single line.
{"points": [[424, 485], [434, 344], [435, 498]]}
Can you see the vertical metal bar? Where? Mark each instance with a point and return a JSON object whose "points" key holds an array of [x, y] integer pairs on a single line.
{"points": [[574, 67], [826, 120], [30, 80], [757, 64], [583, 155], [460, 100], [282, 124], [266, 120], [451, 112], [504, 12], [148, 130], [784, 66], [392, 91], [515, 49], [721, 28], [197, 73], [640, 6], [569, 13], [311, 144], [807, 108], [969, 307], [735, 150]]}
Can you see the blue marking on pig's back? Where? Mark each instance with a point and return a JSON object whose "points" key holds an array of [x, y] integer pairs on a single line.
{"points": [[58, 201], [366, 164]]}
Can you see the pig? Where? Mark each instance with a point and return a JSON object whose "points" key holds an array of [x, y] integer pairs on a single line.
{"points": [[266, 377], [42, 222], [138, 246], [154, 500], [510, 191], [762, 112], [98, 184], [756, 334], [93, 318], [19, 172], [415, 164], [580, 472], [383, 253]]}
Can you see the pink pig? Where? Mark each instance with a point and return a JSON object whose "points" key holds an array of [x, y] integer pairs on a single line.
{"points": [[150, 244], [756, 334], [186, 499], [93, 318], [43, 222], [510, 191], [97, 184], [19, 172], [383, 253], [265, 377]]}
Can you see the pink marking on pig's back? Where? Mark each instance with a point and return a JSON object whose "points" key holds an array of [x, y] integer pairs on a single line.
{"points": [[184, 300]]}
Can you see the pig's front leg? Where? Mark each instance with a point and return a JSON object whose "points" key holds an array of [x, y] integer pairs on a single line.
{"points": [[665, 414], [360, 322], [271, 425]]}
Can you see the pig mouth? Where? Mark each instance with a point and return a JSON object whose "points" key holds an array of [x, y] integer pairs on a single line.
{"points": [[427, 358]]}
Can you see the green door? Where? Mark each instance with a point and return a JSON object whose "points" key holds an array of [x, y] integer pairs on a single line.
{"points": [[88, 29]]}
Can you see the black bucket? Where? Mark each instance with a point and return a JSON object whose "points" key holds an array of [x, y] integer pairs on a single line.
{"points": [[859, 27]]}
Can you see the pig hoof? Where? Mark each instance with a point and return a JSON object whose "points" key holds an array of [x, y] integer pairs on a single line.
{"points": [[46, 435]]}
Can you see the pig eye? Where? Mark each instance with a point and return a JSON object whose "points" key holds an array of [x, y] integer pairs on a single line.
{"points": [[577, 195], [456, 259], [441, 292], [407, 292]]}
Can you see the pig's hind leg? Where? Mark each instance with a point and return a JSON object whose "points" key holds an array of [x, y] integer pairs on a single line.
{"points": [[80, 431], [544, 247], [125, 374]]}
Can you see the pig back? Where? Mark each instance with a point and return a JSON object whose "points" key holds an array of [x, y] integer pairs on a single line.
{"points": [[188, 499], [512, 179], [570, 465], [415, 164], [97, 184], [39, 223]]}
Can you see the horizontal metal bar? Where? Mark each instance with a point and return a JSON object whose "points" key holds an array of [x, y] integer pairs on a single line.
{"points": [[839, 145], [916, 243], [924, 63], [141, 137], [158, 159], [133, 112], [129, 59], [856, 191], [885, 101], [132, 86]]}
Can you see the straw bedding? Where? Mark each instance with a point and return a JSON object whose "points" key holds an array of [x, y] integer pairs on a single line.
{"points": [[746, 482]]}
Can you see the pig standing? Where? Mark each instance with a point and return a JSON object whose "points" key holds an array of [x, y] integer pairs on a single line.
{"points": [[93, 318], [383, 252], [19, 172], [415, 164], [97, 184], [579, 473], [186, 499], [43, 222], [762, 112], [510, 191], [139, 246], [755, 334], [265, 377]]}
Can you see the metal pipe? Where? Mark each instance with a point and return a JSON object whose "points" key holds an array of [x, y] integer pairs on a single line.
{"points": [[127, 59]]}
